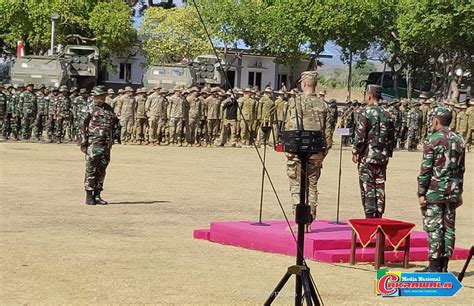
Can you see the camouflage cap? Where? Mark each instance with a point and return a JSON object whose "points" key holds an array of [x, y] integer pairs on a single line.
{"points": [[73, 89], [440, 111], [423, 95], [53, 88], [375, 90], [150, 91], [30, 84], [120, 91], [193, 89], [215, 89], [308, 75], [82, 91], [98, 91], [164, 91], [128, 89], [247, 89], [110, 91], [229, 92], [268, 90], [205, 90], [41, 86], [471, 101], [63, 88], [157, 87], [322, 92]]}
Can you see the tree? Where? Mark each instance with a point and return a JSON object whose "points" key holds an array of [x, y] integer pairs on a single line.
{"points": [[169, 35], [105, 23]]}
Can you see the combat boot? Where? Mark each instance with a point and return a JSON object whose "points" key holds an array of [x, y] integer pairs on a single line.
{"points": [[369, 215], [444, 264], [434, 266], [90, 198], [98, 199]]}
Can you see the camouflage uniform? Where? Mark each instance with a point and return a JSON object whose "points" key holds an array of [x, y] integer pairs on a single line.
{"points": [[125, 111], [370, 145], [441, 183], [403, 132], [3, 112], [96, 134], [247, 108], [267, 108], [140, 117], [213, 109], [28, 106], [414, 123], [62, 113], [79, 109], [176, 112], [194, 117], [462, 122], [307, 112], [7, 127], [424, 108], [41, 115], [470, 124], [51, 128], [16, 114], [156, 113], [279, 108]]}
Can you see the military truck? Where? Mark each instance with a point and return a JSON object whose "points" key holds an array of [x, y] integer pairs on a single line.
{"points": [[203, 70], [76, 66]]}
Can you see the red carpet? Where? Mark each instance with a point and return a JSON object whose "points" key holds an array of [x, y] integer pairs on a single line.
{"points": [[326, 243]]}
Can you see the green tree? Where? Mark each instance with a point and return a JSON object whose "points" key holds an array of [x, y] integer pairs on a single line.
{"points": [[105, 23], [169, 35]]}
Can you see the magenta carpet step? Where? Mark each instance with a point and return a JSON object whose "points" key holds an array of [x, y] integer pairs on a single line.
{"points": [[327, 242]]}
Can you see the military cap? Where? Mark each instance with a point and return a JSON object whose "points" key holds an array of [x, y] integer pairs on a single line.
{"points": [[440, 111], [156, 87], [193, 89], [30, 84], [205, 90], [73, 89], [322, 92], [423, 95], [110, 91], [128, 89], [82, 90], [375, 90], [280, 92], [63, 88], [41, 86], [471, 101], [221, 93], [268, 89], [215, 90], [120, 91], [247, 89], [308, 75], [98, 91], [164, 91], [177, 88], [229, 92]]}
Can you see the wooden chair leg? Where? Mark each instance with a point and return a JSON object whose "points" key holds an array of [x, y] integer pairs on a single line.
{"points": [[406, 256], [353, 248], [378, 249]]}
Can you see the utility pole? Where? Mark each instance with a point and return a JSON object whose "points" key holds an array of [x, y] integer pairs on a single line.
{"points": [[54, 17]]}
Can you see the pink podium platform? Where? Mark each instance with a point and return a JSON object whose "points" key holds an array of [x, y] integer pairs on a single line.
{"points": [[327, 242]]}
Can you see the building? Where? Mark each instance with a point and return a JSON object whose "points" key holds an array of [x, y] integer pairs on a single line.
{"points": [[246, 69]]}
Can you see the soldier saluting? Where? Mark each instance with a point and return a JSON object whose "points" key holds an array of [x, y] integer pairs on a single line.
{"points": [[440, 187], [96, 139]]}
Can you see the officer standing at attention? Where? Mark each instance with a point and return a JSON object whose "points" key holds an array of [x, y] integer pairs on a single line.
{"points": [[307, 112], [96, 140], [370, 153], [440, 187]]}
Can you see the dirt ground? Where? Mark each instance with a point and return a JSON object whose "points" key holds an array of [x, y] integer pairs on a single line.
{"points": [[140, 250]]}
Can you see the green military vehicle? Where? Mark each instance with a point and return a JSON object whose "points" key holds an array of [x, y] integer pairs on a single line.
{"points": [[203, 70], [76, 66]]}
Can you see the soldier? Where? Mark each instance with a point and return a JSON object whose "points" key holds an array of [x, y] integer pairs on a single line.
{"points": [[346, 121], [96, 140], [370, 153], [247, 109], [110, 97], [79, 109], [391, 127], [213, 108], [279, 108], [165, 131], [17, 112], [334, 113], [7, 129], [176, 111], [140, 116], [470, 124], [424, 108], [461, 120], [307, 112], [154, 112], [3, 111], [322, 95], [126, 113], [451, 106], [194, 116], [202, 129], [230, 108], [28, 108], [61, 112], [238, 95], [42, 111], [403, 132], [440, 187], [267, 109], [415, 122], [52, 101]]}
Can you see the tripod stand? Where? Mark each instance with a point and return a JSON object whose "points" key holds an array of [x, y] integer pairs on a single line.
{"points": [[304, 284], [265, 130]]}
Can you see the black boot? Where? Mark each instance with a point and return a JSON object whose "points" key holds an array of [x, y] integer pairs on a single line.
{"points": [[434, 266], [369, 215], [90, 197], [98, 199]]}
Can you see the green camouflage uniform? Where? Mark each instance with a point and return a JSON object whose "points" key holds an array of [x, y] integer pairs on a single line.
{"points": [[371, 145], [403, 132], [441, 183], [247, 111], [16, 118], [62, 114], [28, 104], [41, 115], [96, 133], [3, 113], [194, 115], [7, 128], [307, 112], [267, 110], [53, 100], [414, 123]]}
